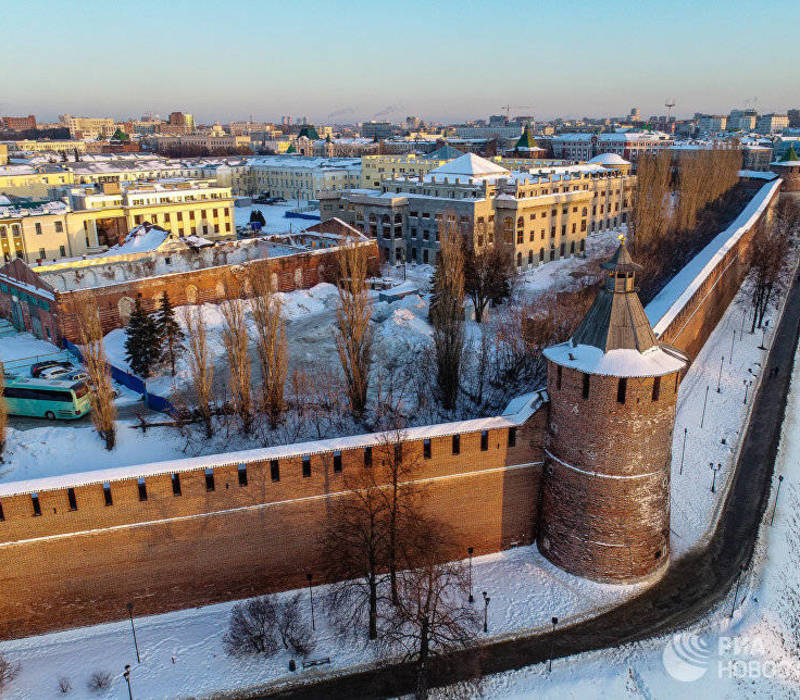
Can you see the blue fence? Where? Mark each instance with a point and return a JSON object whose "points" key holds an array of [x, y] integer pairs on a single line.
{"points": [[298, 215], [152, 401]]}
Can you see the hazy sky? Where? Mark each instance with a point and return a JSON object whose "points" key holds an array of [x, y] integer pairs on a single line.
{"points": [[359, 60]]}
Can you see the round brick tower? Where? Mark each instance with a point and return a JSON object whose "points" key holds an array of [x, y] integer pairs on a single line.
{"points": [[605, 488]]}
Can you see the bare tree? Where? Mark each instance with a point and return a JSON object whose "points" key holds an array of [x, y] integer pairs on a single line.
{"points": [[270, 343], [354, 548], [488, 275], [432, 616], [650, 209], [772, 251], [235, 340], [8, 671], [201, 366], [101, 390], [252, 628], [290, 626], [99, 681], [353, 328], [447, 316]]}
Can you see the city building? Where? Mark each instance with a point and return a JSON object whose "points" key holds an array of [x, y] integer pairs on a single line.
{"points": [[377, 130], [712, 123], [293, 177], [36, 146], [18, 123], [526, 146], [772, 123], [88, 127], [3, 154], [742, 120], [32, 180], [630, 144], [376, 168], [181, 119], [540, 215]]}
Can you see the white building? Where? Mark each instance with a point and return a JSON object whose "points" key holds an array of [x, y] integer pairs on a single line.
{"points": [[712, 123], [772, 123], [293, 177]]}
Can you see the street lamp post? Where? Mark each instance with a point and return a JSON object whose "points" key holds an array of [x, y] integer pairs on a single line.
{"points": [[746, 389], [736, 592], [705, 403], [719, 376], [554, 620], [683, 451], [309, 577], [133, 630], [486, 600], [764, 335], [127, 676], [470, 550], [733, 340], [775, 506], [714, 470]]}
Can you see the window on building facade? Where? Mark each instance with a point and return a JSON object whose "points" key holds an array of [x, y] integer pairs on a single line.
{"points": [[142, 487], [209, 479]]}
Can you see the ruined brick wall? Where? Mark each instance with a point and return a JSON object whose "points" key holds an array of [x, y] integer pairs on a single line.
{"points": [[605, 488], [213, 284], [77, 567]]}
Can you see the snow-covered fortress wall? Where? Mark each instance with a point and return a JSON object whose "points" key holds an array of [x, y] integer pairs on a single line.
{"points": [[685, 312], [232, 533]]}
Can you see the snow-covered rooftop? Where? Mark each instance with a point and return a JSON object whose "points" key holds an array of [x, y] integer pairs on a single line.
{"points": [[653, 362], [608, 159], [468, 168]]}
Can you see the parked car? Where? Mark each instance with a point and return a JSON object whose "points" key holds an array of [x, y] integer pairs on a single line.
{"points": [[78, 375], [38, 367], [56, 372]]}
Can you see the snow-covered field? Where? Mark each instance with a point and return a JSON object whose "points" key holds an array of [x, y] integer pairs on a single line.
{"points": [[753, 654]]}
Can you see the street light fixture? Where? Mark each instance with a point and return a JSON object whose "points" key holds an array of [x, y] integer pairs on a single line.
{"points": [[777, 493], [554, 620], [714, 470], [127, 676], [133, 630], [486, 600], [309, 577], [470, 550]]}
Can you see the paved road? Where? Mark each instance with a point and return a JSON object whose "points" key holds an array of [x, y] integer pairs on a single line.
{"points": [[689, 589]]}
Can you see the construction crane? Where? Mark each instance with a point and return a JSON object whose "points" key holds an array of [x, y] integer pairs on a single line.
{"points": [[669, 104], [508, 109]]}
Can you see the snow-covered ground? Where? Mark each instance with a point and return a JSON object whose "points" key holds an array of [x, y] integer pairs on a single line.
{"points": [[275, 216], [753, 654], [182, 651]]}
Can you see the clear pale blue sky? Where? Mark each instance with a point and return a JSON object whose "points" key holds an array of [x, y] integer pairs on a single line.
{"points": [[359, 59]]}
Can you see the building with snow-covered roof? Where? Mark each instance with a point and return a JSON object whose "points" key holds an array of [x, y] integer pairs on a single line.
{"points": [[296, 177], [541, 213], [629, 144]]}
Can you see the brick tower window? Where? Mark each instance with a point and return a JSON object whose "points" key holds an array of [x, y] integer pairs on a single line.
{"points": [[37, 508], [109, 501], [367, 456], [426, 448], [274, 470], [306, 466], [241, 471], [2, 517], [209, 479], [456, 444], [484, 440], [142, 490], [512, 437], [176, 484], [585, 386], [656, 388], [337, 462], [73, 502], [622, 387]]}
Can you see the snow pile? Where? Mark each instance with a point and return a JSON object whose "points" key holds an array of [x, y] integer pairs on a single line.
{"points": [[144, 238]]}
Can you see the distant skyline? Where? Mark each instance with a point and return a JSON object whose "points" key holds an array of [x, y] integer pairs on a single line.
{"points": [[443, 61]]}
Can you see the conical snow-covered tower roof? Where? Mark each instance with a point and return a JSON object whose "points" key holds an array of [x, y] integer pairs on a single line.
{"points": [[615, 337]]}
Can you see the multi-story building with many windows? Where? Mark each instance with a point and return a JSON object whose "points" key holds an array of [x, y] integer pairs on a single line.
{"points": [[541, 214], [89, 219], [629, 145], [293, 177]]}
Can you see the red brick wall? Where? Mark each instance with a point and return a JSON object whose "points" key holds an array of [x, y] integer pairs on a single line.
{"points": [[208, 283], [67, 568], [605, 490]]}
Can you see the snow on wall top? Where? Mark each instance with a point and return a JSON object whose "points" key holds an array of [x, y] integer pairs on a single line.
{"points": [[669, 302], [518, 411], [654, 362]]}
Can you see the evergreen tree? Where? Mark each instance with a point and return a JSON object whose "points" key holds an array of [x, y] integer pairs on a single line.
{"points": [[256, 216], [169, 332], [142, 342]]}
